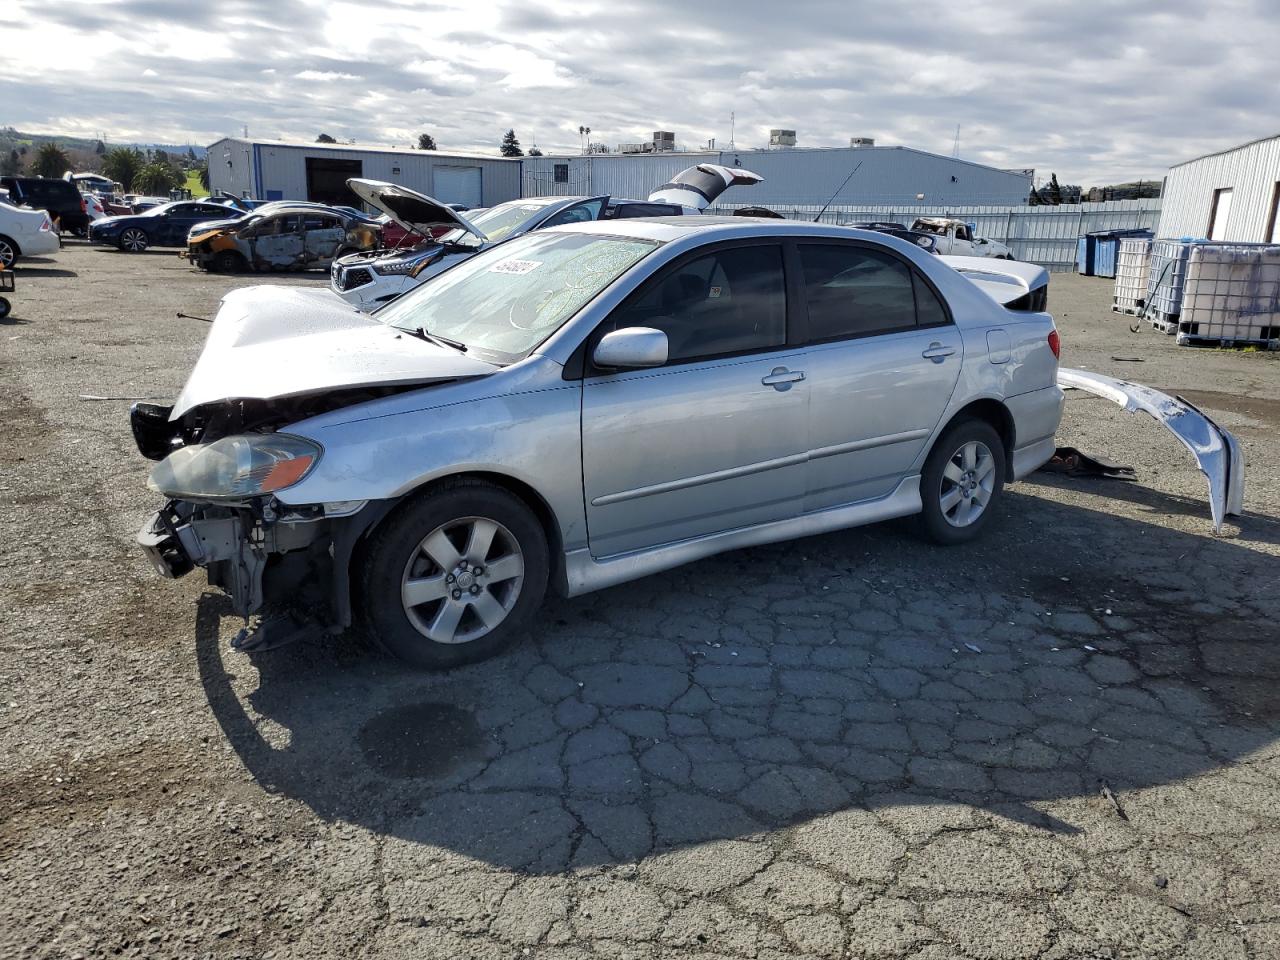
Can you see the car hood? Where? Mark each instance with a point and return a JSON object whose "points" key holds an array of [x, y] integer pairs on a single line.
{"points": [[699, 186], [270, 342], [412, 210]]}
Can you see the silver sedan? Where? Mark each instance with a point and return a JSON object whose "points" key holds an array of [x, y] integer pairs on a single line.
{"points": [[587, 405]]}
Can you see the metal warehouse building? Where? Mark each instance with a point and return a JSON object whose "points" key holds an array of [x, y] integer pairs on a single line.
{"points": [[793, 177], [1229, 195], [294, 170]]}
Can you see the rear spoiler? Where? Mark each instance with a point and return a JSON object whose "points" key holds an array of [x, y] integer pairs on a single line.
{"points": [[1012, 283]]}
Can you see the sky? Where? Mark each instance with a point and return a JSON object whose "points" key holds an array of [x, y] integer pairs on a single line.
{"points": [[1098, 91]]}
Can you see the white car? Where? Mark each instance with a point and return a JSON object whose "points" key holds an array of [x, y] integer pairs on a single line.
{"points": [[369, 280], [956, 238], [25, 233]]}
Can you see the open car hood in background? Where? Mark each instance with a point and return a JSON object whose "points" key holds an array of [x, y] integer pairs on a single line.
{"points": [[412, 210], [699, 186]]}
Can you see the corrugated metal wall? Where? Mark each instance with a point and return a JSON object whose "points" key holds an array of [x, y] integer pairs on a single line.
{"points": [[1043, 235], [283, 167], [1251, 171], [886, 175], [231, 167]]}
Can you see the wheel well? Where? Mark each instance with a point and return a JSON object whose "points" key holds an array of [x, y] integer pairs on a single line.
{"points": [[997, 414], [527, 494]]}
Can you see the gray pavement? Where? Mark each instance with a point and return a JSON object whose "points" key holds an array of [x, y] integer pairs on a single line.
{"points": [[856, 745]]}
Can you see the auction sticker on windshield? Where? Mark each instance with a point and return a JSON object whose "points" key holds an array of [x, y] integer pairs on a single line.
{"points": [[515, 266]]}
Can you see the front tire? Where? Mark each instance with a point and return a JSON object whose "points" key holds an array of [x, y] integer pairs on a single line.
{"points": [[133, 240], [962, 481], [8, 252], [454, 576], [227, 261]]}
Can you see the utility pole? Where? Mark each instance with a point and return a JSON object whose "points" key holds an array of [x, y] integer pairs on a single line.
{"points": [[955, 148], [733, 117]]}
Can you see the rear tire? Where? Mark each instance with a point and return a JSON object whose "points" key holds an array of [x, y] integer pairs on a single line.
{"points": [[8, 252], [454, 575], [5, 307], [962, 482]]}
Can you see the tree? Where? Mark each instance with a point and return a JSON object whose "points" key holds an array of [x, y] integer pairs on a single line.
{"points": [[510, 145], [10, 165], [1054, 191], [534, 151], [191, 157], [426, 141], [122, 164], [51, 161], [157, 179], [325, 138], [204, 175], [99, 147]]}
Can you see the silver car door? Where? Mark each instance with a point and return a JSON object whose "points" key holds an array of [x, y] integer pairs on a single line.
{"points": [[883, 360], [716, 438]]}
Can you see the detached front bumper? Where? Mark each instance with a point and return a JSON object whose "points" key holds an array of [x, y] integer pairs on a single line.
{"points": [[263, 554]]}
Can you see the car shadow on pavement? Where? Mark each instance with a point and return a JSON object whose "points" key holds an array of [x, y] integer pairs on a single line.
{"points": [[28, 271], [783, 685]]}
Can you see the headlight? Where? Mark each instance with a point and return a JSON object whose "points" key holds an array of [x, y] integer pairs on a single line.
{"points": [[396, 267], [235, 468]]}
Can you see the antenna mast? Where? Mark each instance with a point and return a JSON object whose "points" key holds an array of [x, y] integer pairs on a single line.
{"points": [[732, 120], [955, 148]]}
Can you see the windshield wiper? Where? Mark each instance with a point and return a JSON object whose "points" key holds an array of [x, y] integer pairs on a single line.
{"points": [[438, 340]]}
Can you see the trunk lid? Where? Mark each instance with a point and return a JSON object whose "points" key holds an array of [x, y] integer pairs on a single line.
{"points": [[699, 186]]}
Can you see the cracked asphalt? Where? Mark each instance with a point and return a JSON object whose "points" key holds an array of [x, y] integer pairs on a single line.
{"points": [[1058, 743]]}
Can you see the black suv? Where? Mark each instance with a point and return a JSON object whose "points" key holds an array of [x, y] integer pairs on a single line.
{"points": [[59, 197]]}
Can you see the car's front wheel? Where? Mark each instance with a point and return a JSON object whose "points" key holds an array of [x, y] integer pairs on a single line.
{"points": [[228, 261], [133, 240], [962, 481], [454, 576]]}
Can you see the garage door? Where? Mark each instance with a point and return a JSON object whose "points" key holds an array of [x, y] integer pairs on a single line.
{"points": [[458, 185]]}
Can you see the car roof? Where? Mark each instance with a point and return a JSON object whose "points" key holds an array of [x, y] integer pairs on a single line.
{"points": [[666, 229]]}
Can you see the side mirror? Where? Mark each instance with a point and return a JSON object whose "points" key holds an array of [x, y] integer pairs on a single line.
{"points": [[631, 347]]}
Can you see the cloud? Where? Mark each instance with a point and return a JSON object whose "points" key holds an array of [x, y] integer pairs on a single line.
{"points": [[1145, 85]]}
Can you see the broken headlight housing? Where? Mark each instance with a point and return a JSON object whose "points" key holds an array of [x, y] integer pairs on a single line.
{"points": [[235, 468]]}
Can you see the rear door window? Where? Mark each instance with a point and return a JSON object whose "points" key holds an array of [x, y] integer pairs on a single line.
{"points": [[854, 291]]}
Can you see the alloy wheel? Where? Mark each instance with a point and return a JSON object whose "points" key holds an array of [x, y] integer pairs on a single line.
{"points": [[462, 580], [7, 254], [135, 241], [968, 480]]}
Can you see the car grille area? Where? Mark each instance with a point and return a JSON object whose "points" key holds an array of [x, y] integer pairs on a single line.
{"points": [[353, 277]]}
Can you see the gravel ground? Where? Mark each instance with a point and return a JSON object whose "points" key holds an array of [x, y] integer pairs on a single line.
{"points": [[856, 745]]}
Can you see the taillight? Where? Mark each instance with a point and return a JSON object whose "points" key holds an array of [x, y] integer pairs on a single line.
{"points": [[1055, 344], [47, 225]]}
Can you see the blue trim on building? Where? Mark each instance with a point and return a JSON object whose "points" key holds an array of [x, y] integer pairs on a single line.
{"points": [[257, 172]]}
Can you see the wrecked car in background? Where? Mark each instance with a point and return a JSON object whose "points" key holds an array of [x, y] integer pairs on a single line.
{"points": [[431, 469], [289, 237], [956, 238], [369, 281]]}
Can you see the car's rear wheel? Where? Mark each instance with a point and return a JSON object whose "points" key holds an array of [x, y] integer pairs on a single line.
{"points": [[228, 261], [454, 576], [8, 252], [133, 240], [962, 480]]}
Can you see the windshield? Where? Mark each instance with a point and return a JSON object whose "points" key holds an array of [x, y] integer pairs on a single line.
{"points": [[507, 300], [498, 223]]}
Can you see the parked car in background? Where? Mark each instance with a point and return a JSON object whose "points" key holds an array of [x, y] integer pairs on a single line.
{"points": [[370, 280], [165, 225], [395, 235], [25, 233], [585, 405], [59, 198], [955, 238], [94, 207], [925, 241], [287, 237]]}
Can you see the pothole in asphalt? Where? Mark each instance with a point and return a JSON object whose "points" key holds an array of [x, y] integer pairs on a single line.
{"points": [[422, 740]]}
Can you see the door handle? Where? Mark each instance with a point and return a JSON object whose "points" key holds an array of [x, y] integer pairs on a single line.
{"points": [[781, 378], [937, 352]]}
